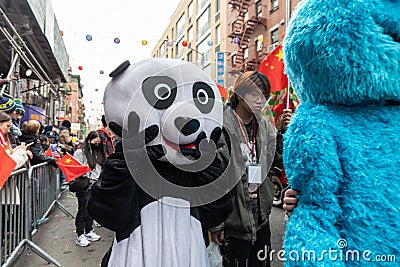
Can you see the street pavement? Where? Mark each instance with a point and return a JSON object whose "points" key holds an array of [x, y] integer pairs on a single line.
{"points": [[57, 238]]}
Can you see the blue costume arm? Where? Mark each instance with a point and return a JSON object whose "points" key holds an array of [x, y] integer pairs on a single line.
{"points": [[314, 169]]}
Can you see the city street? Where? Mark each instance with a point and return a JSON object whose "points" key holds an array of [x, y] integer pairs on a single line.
{"points": [[57, 238]]}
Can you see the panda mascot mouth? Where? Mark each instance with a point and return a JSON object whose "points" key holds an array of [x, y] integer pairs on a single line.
{"points": [[178, 147]]}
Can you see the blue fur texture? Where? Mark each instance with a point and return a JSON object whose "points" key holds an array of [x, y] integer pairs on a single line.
{"points": [[342, 148]]}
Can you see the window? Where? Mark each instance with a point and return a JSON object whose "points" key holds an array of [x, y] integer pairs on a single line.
{"points": [[180, 26], [217, 34], [259, 8], [274, 36], [217, 10], [274, 4], [190, 11], [179, 48], [201, 4], [259, 45], [204, 51], [162, 50], [203, 23], [190, 35], [190, 57]]}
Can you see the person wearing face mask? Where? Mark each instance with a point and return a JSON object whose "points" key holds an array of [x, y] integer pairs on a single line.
{"points": [[91, 153]]}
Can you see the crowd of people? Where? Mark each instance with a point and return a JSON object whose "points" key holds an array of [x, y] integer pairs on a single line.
{"points": [[28, 144]]}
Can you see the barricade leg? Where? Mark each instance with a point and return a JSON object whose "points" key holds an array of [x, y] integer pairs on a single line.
{"points": [[17, 200]]}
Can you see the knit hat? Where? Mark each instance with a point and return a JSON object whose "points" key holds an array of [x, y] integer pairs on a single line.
{"points": [[66, 123], [7, 105], [19, 107]]}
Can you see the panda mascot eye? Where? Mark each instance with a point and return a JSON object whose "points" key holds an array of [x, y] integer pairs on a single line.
{"points": [[203, 97], [159, 91]]}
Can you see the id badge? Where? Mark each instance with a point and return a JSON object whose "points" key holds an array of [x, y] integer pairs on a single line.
{"points": [[254, 173]]}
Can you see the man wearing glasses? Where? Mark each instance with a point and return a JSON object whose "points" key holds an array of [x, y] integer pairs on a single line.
{"points": [[249, 152]]}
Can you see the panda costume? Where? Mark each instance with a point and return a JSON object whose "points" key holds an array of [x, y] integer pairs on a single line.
{"points": [[164, 186]]}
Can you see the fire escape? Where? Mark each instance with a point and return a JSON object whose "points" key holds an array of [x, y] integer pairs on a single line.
{"points": [[242, 30]]}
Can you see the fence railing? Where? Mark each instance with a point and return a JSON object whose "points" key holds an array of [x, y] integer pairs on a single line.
{"points": [[27, 198]]}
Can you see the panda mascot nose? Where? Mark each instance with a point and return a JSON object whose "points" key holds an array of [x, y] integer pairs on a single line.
{"points": [[186, 126]]}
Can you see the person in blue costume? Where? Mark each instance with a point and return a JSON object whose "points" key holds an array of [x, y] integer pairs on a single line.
{"points": [[342, 148]]}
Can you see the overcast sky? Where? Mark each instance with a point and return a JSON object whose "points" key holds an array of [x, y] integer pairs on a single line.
{"points": [[129, 20]]}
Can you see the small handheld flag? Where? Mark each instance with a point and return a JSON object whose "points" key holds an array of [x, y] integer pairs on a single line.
{"points": [[272, 66], [72, 168], [7, 166]]}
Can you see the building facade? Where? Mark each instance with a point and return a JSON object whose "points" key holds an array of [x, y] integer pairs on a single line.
{"points": [[71, 106], [195, 33], [256, 28], [32, 49], [241, 32]]}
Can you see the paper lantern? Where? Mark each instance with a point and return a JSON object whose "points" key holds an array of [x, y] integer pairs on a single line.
{"points": [[80, 68], [144, 42], [236, 40], [89, 37], [28, 72], [101, 71], [260, 38], [170, 43], [210, 42], [117, 40], [184, 43]]}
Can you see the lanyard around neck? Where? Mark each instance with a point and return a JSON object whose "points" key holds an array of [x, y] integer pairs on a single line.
{"points": [[246, 139]]}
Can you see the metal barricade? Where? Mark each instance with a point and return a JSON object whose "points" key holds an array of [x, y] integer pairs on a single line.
{"points": [[45, 193], [27, 198], [14, 194]]}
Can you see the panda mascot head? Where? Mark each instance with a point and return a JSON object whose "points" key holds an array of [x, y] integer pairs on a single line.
{"points": [[175, 95]]}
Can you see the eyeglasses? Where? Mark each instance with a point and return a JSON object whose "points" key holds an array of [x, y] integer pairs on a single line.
{"points": [[257, 95]]}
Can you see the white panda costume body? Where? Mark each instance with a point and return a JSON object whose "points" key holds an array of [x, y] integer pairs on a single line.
{"points": [[142, 194]]}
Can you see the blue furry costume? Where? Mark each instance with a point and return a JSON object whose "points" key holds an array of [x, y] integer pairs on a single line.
{"points": [[342, 149]]}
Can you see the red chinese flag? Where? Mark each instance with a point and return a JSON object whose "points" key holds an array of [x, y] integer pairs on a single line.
{"points": [[272, 66], [223, 91], [72, 168], [48, 152], [6, 167]]}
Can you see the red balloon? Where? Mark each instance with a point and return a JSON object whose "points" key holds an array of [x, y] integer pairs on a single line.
{"points": [[80, 68], [184, 43]]}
